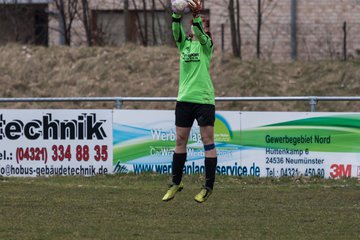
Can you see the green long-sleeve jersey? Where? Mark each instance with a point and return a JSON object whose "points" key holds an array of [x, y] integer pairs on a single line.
{"points": [[195, 84]]}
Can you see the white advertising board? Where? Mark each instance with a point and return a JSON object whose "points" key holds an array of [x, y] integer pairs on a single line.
{"points": [[55, 142], [262, 144]]}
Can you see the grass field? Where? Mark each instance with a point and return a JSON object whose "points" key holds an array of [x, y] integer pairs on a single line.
{"points": [[130, 207]]}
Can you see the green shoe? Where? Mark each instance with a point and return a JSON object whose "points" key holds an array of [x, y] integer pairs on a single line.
{"points": [[173, 189], [203, 195]]}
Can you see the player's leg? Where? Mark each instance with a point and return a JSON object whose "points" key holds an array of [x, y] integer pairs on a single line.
{"points": [[180, 154], [206, 120], [179, 159], [183, 121]]}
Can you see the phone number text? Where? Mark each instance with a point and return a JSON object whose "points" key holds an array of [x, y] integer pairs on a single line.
{"points": [[62, 153]]}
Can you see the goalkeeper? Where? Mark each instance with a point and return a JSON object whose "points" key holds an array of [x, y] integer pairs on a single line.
{"points": [[196, 100]]}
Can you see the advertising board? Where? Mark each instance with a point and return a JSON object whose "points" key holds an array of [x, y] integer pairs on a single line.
{"points": [[144, 141], [55, 142]]}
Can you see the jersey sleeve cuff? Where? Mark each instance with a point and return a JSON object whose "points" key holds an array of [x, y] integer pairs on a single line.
{"points": [[176, 17], [197, 19]]}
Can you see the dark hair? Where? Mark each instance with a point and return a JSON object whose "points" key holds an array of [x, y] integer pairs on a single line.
{"points": [[209, 34], [206, 23]]}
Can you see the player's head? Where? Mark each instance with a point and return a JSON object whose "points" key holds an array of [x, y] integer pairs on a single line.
{"points": [[206, 25]]}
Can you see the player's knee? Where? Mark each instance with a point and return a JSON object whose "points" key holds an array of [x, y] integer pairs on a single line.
{"points": [[207, 140], [180, 140]]}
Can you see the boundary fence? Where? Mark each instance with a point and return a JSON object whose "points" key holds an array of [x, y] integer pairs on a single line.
{"points": [[119, 101]]}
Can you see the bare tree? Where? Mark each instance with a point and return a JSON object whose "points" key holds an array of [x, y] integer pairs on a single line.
{"points": [[142, 30], [126, 20], [234, 43], [153, 25], [67, 11], [258, 30], [238, 29], [168, 33], [262, 9], [234, 16], [146, 32], [86, 19]]}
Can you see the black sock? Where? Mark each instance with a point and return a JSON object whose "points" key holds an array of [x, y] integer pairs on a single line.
{"points": [[210, 170], [177, 167]]}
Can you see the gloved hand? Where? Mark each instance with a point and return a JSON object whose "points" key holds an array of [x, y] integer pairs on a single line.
{"points": [[195, 6]]}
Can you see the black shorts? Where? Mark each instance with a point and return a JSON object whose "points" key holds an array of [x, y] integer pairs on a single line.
{"points": [[186, 113]]}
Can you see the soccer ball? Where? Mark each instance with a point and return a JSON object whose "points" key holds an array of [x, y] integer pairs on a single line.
{"points": [[180, 6]]}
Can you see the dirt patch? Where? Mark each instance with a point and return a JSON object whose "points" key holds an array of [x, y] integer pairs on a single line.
{"points": [[133, 71]]}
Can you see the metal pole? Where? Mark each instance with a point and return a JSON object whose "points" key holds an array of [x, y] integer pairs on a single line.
{"points": [[313, 102], [62, 30], [119, 101], [222, 38], [118, 104], [345, 42]]}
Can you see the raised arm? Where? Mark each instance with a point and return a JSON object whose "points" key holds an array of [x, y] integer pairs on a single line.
{"points": [[200, 34], [178, 31], [204, 39]]}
